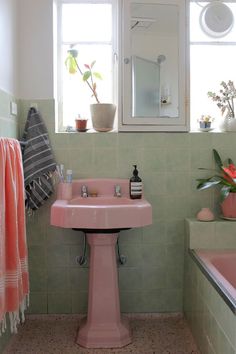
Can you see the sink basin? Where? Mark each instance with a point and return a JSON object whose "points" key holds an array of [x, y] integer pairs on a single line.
{"points": [[102, 212], [101, 218]]}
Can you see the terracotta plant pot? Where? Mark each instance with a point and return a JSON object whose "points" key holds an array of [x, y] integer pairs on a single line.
{"points": [[81, 125], [103, 115], [228, 206]]}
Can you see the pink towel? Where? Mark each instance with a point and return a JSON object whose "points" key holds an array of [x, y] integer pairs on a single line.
{"points": [[14, 278]]}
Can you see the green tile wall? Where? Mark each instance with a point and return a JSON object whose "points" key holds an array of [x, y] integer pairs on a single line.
{"points": [[8, 128], [212, 323], [152, 278], [8, 123]]}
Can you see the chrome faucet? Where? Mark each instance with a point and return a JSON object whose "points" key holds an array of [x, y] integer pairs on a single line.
{"points": [[84, 191], [117, 191]]}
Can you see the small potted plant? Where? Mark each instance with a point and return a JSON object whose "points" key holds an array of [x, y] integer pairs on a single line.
{"points": [[225, 178], [225, 102], [81, 124], [103, 114], [205, 121]]}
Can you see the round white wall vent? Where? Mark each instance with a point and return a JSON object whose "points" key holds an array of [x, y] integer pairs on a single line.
{"points": [[216, 19]]}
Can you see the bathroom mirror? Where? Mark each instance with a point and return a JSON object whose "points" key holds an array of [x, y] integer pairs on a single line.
{"points": [[153, 65]]}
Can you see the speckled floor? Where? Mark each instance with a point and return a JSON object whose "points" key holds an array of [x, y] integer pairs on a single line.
{"points": [[152, 334]]}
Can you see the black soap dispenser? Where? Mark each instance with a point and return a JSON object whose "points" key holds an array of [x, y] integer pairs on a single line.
{"points": [[136, 185]]}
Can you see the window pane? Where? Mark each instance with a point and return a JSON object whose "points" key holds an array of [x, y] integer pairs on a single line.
{"points": [[210, 64], [76, 93], [86, 22]]}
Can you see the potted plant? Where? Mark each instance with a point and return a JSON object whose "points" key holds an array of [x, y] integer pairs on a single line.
{"points": [[225, 177], [103, 114], [225, 102], [205, 122], [81, 124]]}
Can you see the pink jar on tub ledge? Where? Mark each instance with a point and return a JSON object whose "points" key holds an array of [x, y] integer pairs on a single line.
{"points": [[205, 214]]}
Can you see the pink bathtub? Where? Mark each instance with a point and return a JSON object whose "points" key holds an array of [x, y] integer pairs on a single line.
{"points": [[220, 268]]}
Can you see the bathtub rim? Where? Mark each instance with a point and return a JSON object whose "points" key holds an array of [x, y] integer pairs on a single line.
{"points": [[218, 286]]}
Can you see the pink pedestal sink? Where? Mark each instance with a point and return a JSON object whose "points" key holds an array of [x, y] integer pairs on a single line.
{"points": [[101, 218]]}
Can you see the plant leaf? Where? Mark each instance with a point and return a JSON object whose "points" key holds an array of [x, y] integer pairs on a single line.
{"points": [[208, 182], [230, 161], [92, 64], [86, 75], [97, 75], [87, 66], [225, 190], [217, 158]]}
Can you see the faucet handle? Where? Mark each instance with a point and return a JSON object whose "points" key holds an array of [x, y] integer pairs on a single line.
{"points": [[117, 190], [84, 191]]}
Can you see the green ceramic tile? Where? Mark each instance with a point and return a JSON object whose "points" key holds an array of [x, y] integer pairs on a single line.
{"points": [[128, 156], [77, 251], [58, 279], [153, 160], [134, 140], [154, 140], [175, 231], [59, 302], [84, 141], [80, 159], [155, 233], [38, 279], [57, 235], [78, 279], [104, 159], [173, 300], [37, 257], [133, 254], [130, 236], [200, 141], [178, 183], [79, 301], [174, 277], [177, 160], [131, 301], [129, 279], [154, 300], [174, 255], [180, 140], [58, 255], [38, 303], [154, 184], [105, 140], [202, 158], [176, 207], [153, 255], [154, 278]]}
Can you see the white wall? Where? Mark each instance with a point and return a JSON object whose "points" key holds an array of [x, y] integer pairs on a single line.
{"points": [[35, 49], [8, 46]]}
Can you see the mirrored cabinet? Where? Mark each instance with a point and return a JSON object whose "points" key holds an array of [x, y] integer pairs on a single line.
{"points": [[153, 65]]}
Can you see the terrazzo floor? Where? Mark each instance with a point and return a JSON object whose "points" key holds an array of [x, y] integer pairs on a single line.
{"points": [[152, 334]]}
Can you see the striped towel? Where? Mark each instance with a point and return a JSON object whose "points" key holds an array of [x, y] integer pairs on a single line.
{"points": [[14, 277], [38, 161]]}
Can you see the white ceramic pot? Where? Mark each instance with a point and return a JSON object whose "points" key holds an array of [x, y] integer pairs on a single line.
{"points": [[103, 115], [228, 125]]}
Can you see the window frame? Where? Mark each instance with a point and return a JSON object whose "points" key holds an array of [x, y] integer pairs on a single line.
{"points": [[59, 57]]}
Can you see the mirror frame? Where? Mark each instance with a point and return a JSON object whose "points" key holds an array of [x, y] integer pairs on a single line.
{"points": [[126, 121]]}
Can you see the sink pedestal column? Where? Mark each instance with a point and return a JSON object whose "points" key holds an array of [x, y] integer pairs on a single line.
{"points": [[103, 327]]}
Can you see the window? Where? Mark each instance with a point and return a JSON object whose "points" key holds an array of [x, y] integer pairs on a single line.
{"points": [[89, 27], [212, 60]]}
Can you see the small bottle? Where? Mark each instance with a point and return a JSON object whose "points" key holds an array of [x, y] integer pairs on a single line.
{"points": [[68, 176], [136, 185]]}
